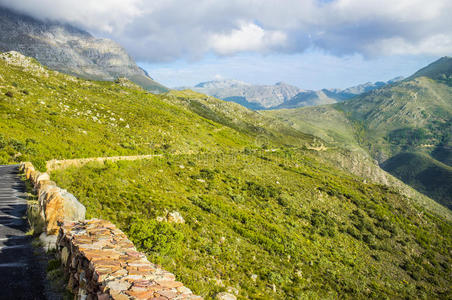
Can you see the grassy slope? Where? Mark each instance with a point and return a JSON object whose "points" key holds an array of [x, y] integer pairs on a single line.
{"points": [[322, 121], [303, 227], [412, 116], [63, 117], [408, 116]]}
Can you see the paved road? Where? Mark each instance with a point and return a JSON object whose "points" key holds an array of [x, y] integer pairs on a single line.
{"points": [[21, 273]]}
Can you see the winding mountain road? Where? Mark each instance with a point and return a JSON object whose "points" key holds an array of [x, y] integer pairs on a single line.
{"points": [[22, 274]]}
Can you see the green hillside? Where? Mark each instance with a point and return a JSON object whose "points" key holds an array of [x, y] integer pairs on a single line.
{"points": [[440, 70], [427, 175], [412, 116], [271, 227], [266, 210], [47, 115]]}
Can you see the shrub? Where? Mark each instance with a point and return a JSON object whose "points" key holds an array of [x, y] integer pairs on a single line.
{"points": [[153, 236]]}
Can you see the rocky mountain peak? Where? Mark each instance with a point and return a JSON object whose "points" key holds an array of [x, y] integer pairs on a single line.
{"points": [[70, 50]]}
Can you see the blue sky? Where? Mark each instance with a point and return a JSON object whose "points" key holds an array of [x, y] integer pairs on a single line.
{"points": [[308, 43], [309, 70]]}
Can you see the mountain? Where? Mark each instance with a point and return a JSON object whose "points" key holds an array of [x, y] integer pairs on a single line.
{"points": [[309, 98], [248, 95], [267, 213], [70, 50], [440, 70], [405, 126], [279, 95], [329, 96]]}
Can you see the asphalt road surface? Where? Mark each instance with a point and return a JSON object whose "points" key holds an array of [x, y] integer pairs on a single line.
{"points": [[22, 275]]}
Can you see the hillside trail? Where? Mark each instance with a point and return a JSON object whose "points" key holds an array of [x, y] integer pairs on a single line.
{"points": [[22, 273], [55, 164]]}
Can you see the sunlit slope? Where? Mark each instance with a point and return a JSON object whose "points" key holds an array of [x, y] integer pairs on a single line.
{"points": [[46, 115], [272, 225]]}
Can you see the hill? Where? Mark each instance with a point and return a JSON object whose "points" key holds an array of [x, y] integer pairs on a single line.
{"points": [[70, 50], [411, 116], [440, 70], [265, 214]]}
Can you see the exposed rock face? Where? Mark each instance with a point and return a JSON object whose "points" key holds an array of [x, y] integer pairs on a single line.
{"points": [[70, 50], [28, 64], [58, 206], [55, 205], [175, 217]]}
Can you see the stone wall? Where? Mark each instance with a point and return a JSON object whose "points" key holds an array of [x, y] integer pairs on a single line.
{"points": [[56, 205], [104, 264], [98, 258]]}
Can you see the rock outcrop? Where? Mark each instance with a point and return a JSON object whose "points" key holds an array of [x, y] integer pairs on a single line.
{"points": [[70, 50]]}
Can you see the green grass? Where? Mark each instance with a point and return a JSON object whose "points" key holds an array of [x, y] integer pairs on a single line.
{"points": [[59, 116], [307, 228]]}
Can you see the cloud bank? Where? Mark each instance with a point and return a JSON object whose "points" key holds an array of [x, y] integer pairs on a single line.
{"points": [[168, 30]]}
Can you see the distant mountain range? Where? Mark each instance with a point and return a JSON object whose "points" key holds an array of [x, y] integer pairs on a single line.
{"points": [[406, 127], [279, 95], [70, 50]]}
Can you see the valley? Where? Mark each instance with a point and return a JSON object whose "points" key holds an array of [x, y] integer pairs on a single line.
{"points": [[405, 127]]}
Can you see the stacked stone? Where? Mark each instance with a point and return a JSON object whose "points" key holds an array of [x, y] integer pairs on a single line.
{"points": [[56, 205], [103, 264]]}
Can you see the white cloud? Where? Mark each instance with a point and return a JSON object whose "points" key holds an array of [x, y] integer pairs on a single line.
{"points": [[439, 44], [167, 30], [99, 15], [249, 37]]}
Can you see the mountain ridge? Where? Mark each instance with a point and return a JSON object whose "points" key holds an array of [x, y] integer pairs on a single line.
{"points": [[279, 95], [68, 49], [440, 69]]}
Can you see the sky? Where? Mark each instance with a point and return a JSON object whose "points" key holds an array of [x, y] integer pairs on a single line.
{"points": [[308, 43]]}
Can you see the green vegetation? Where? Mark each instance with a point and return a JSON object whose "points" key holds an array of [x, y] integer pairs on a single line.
{"points": [[424, 173], [59, 116], [300, 228], [263, 213], [413, 116], [440, 70]]}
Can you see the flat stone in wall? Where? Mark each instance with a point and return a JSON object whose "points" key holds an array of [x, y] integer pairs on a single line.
{"points": [[103, 264]]}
